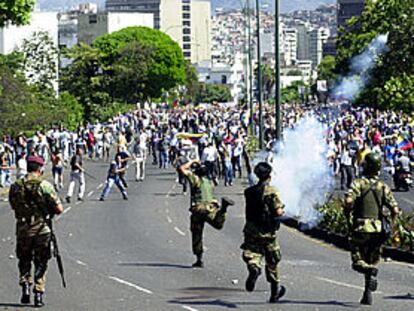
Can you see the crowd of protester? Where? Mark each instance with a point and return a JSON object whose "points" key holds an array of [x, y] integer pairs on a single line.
{"points": [[217, 135], [355, 132]]}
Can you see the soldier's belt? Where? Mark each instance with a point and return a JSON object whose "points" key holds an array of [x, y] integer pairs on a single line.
{"points": [[32, 219]]}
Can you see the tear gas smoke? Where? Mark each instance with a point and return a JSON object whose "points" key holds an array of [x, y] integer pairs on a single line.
{"points": [[301, 171], [360, 69]]}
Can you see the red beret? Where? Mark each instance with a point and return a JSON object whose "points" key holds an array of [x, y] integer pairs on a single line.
{"points": [[36, 159]]}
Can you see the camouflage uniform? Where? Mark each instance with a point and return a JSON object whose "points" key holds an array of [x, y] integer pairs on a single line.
{"points": [[33, 201], [260, 239], [204, 208], [365, 222]]}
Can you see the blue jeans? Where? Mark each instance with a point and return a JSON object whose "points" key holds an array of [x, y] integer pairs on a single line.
{"points": [[228, 173], [163, 159], [109, 183]]}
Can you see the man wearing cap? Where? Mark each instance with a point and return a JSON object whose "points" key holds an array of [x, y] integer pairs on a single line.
{"points": [[263, 208], [204, 207], [34, 202]]}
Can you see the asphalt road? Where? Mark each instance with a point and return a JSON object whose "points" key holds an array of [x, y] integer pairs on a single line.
{"points": [[136, 255]]}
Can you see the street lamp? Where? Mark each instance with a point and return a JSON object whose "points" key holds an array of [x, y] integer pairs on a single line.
{"points": [[277, 72], [259, 76]]}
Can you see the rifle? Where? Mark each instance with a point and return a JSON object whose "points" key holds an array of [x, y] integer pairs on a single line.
{"points": [[56, 254]]}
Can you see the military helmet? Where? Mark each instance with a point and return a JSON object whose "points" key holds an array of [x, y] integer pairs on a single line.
{"points": [[372, 163], [263, 170], [199, 169]]}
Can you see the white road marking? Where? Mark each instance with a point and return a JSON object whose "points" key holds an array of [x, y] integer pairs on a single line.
{"points": [[81, 263], [179, 231], [343, 284], [169, 219], [100, 186], [189, 308], [139, 288], [67, 209], [79, 202], [90, 193]]}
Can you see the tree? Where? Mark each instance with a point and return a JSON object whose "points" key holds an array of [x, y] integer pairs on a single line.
{"points": [[16, 12], [192, 83], [210, 93], [294, 72], [165, 63], [326, 70], [392, 17], [268, 79], [40, 57], [291, 94]]}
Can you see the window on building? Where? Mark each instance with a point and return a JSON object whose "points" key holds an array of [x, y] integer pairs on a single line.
{"points": [[187, 23], [187, 54], [93, 19], [186, 46], [223, 79], [186, 16], [187, 31], [187, 1], [186, 39], [186, 8]]}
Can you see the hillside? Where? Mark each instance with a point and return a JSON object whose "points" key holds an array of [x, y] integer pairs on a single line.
{"points": [[287, 5]]}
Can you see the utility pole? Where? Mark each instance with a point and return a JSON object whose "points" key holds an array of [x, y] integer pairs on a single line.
{"points": [[249, 46], [277, 72], [259, 76]]}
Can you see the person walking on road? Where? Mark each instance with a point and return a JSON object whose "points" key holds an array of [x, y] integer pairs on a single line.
{"points": [[140, 156], [115, 169], [204, 207], [263, 209], [34, 202], [363, 205], [77, 174]]}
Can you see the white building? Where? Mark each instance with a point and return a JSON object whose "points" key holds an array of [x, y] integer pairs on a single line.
{"points": [[11, 37], [290, 46], [188, 22], [93, 25]]}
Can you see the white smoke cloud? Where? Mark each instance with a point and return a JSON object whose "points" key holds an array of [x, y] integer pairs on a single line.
{"points": [[301, 172], [360, 69]]}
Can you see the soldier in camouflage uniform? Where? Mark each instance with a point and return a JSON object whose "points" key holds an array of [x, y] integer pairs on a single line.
{"points": [[363, 206], [34, 202], [204, 207], [263, 207]]}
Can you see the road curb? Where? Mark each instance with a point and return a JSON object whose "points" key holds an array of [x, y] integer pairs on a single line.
{"points": [[342, 242]]}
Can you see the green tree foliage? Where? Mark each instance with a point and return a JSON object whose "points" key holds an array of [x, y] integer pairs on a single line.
{"points": [[192, 83], [268, 80], [16, 12], [291, 94], [392, 17], [40, 57], [210, 93], [124, 67], [326, 70], [164, 62]]}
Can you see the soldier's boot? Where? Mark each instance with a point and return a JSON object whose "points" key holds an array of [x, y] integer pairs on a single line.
{"points": [[226, 202], [38, 300], [254, 273], [199, 262], [371, 285], [25, 299], [276, 292]]}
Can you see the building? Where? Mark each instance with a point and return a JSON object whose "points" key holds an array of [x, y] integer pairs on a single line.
{"points": [[187, 22], [303, 42], [290, 46], [11, 37], [329, 48], [93, 25], [317, 38], [348, 9]]}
